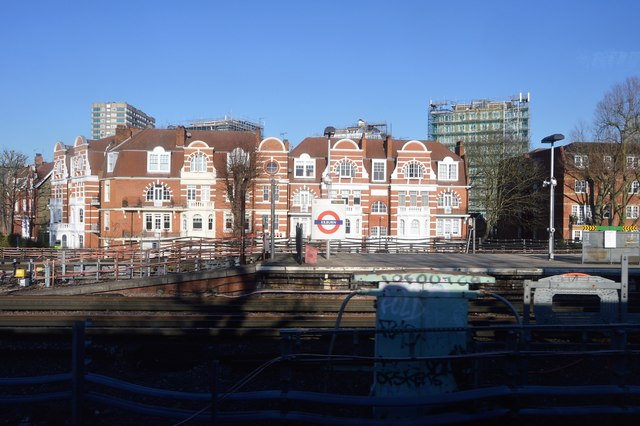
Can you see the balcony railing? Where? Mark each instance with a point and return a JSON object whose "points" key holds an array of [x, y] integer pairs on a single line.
{"points": [[193, 204], [411, 210]]}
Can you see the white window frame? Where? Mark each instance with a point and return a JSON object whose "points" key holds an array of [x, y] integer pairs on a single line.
{"points": [[228, 222], [634, 188], [378, 170], [306, 165], [580, 161], [111, 161], [448, 227], [413, 170], [191, 192], [379, 207], [157, 221], [580, 186], [448, 199], [198, 163], [581, 212], [633, 212], [158, 192], [303, 199], [346, 169], [158, 160], [197, 222], [448, 169], [107, 191]]}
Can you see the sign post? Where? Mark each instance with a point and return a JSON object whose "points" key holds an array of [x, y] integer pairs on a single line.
{"points": [[328, 220]]}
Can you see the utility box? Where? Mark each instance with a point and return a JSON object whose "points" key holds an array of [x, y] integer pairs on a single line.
{"points": [[420, 317], [21, 273], [310, 254], [405, 319]]}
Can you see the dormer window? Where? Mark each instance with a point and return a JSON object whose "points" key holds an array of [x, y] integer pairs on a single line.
{"points": [[158, 160], [346, 169], [305, 167], [448, 169], [198, 163], [111, 161], [413, 170]]}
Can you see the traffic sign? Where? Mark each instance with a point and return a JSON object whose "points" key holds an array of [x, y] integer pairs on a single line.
{"points": [[328, 219]]}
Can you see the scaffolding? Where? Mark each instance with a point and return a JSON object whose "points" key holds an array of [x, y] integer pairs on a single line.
{"points": [[226, 124], [451, 121]]}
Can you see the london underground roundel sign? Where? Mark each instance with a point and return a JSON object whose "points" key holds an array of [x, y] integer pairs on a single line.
{"points": [[328, 219]]}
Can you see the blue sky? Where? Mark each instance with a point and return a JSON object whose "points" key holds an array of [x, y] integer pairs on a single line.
{"points": [[300, 66]]}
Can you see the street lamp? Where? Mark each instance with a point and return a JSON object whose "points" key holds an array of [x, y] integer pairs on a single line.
{"points": [[551, 139], [328, 132]]}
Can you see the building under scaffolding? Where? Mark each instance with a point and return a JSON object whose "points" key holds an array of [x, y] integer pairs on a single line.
{"points": [[450, 122], [481, 123]]}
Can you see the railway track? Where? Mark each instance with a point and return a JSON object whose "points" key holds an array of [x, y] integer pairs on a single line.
{"points": [[264, 315], [260, 313]]}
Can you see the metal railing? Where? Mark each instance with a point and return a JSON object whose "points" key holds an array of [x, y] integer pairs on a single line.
{"points": [[577, 370]]}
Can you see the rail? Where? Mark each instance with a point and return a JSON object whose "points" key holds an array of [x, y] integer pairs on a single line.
{"points": [[256, 247]]}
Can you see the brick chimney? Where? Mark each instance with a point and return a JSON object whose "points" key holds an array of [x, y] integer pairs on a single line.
{"points": [[388, 143], [123, 133], [460, 149], [181, 136], [38, 160], [363, 145]]}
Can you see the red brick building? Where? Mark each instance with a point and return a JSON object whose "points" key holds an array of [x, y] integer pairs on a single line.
{"points": [[145, 186], [597, 184]]}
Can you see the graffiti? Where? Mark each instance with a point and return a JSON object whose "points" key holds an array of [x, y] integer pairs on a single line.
{"points": [[416, 375], [425, 278], [408, 340], [407, 308], [411, 377]]}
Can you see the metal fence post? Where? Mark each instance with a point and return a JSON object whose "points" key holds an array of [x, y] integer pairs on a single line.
{"points": [[77, 372], [214, 390]]}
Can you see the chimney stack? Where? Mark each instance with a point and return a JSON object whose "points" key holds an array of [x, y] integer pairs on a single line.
{"points": [[388, 142], [363, 145], [460, 149], [123, 133], [181, 136], [38, 160]]}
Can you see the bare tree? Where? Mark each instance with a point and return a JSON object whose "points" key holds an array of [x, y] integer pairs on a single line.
{"points": [[609, 168], [502, 179], [239, 176], [13, 181]]}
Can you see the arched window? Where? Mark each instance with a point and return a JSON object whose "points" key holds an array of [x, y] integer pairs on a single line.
{"points": [[210, 222], [413, 170], [347, 226], [158, 192], [378, 207], [198, 163], [346, 169], [197, 222], [415, 227], [304, 199], [401, 227], [448, 199]]}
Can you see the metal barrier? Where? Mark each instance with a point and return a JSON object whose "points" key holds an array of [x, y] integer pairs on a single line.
{"points": [[608, 246], [612, 297]]}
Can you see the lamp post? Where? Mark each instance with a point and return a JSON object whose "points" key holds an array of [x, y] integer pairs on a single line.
{"points": [[273, 218], [328, 132], [551, 139]]}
